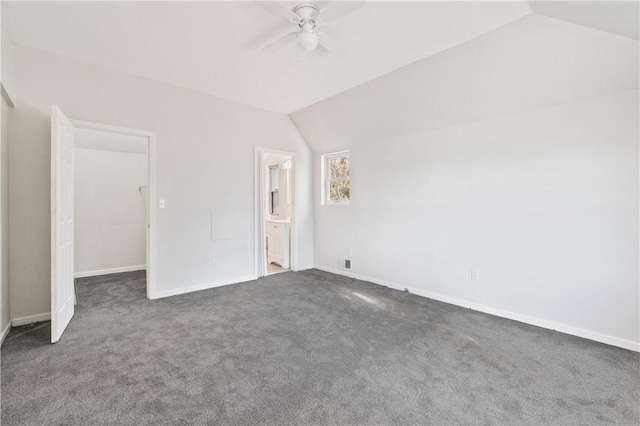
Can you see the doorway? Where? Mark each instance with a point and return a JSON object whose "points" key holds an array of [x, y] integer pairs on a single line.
{"points": [[63, 187], [122, 162], [275, 171], [110, 203]]}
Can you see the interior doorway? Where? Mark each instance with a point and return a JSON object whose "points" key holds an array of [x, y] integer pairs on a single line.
{"points": [[276, 211], [133, 189], [110, 203], [64, 133]]}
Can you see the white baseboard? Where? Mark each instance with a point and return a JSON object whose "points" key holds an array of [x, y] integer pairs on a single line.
{"points": [[15, 322], [3, 333], [538, 322], [98, 272], [205, 286]]}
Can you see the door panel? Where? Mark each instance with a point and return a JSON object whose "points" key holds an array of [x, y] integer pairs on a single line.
{"points": [[62, 206]]}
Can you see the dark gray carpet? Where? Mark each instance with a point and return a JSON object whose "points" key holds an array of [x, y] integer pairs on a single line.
{"points": [[305, 348]]}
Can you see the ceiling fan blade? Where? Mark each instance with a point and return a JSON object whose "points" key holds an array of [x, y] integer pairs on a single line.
{"points": [[277, 8], [330, 44], [338, 9], [279, 43]]}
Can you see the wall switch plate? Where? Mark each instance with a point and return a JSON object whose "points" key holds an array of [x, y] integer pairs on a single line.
{"points": [[161, 204], [351, 253], [214, 258], [475, 274]]}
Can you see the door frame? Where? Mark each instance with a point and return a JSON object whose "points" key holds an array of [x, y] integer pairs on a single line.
{"points": [[151, 190], [260, 210]]}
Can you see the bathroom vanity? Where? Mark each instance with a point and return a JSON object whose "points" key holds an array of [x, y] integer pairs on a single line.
{"points": [[278, 242]]}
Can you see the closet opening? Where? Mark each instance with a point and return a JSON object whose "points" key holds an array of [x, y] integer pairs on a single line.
{"points": [[111, 210]]}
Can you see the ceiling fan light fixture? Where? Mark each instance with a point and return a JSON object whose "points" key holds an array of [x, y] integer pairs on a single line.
{"points": [[308, 40], [307, 17]]}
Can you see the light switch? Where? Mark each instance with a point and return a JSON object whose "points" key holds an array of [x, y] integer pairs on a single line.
{"points": [[161, 204]]}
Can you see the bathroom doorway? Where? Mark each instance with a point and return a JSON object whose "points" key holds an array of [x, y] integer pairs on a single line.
{"points": [[276, 216]]}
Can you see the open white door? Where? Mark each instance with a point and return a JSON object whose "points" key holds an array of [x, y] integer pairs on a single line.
{"points": [[62, 289], [262, 216]]}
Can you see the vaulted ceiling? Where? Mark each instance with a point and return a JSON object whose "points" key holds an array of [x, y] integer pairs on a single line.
{"points": [[216, 47]]}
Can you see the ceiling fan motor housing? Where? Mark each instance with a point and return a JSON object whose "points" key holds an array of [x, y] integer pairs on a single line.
{"points": [[307, 12]]}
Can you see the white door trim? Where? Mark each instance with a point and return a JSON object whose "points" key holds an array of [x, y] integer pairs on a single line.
{"points": [[151, 199], [259, 206]]}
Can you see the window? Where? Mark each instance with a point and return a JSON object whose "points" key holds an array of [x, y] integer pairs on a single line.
{"points": [[337, 179], [274, 192]]}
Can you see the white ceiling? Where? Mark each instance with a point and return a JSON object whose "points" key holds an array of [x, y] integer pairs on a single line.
{"points": [[529, 65], [617, 17], [215, 47]]}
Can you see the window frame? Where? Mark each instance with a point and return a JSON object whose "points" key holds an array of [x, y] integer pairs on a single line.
{"points": [[327, 179]]}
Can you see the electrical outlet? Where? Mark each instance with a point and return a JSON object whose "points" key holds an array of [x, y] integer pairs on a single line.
{"points": [[475, 274], [214, 258]]}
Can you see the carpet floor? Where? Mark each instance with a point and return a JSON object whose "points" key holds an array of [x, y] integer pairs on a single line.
{"points": [[305, 348]]}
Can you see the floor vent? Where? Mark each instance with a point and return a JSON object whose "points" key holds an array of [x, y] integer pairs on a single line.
{"points": [[344, 264]]}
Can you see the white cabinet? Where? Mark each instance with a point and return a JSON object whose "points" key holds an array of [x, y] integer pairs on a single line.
{"points": [[278, 243]]}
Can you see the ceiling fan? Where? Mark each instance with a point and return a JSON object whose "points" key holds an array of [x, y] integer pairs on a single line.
{"points": [[308, 17]]}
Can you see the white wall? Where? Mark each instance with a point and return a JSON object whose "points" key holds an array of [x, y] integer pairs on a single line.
{"points": [[516, 154], [205, 166], [110, 213], [7, 63]]}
